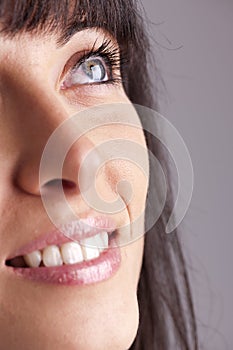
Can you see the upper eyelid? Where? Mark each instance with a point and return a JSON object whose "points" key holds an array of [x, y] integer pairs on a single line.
{"points": [[105, 47], [84, 56], [83, 59]]}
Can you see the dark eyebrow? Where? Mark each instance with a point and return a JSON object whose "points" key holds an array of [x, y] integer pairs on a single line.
{"points": [[65, 34]]}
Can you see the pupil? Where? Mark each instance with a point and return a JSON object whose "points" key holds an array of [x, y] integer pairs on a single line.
{"points": [[95, 70]]}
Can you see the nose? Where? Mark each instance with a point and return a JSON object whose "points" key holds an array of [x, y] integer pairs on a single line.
{"points": [[46, 119]]}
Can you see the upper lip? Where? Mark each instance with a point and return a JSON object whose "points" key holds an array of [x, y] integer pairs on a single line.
{"points": [[71, 231]]}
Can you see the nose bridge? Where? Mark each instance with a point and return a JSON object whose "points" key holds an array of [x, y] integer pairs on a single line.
{"points": [[39, 111], [35, 108]]}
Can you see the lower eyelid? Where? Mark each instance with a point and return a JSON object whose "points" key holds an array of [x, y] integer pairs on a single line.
{"points": [[93, 90], [90, 95]]}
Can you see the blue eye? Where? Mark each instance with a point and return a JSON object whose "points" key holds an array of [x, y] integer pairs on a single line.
{"points": [[101, 65], [92, 70]]}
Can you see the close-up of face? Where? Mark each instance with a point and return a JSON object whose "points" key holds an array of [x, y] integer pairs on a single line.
{"points": [[48, 300], [90, 257]]}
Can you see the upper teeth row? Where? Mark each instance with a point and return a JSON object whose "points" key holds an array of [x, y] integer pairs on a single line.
{"points": [[69, 253]]}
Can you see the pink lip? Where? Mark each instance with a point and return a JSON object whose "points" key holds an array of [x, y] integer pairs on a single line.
{"points": [[75, 230], [86, 272]]}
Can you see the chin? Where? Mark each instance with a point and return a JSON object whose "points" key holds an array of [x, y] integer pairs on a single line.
{"points": [[104, 322], [113, 329]]}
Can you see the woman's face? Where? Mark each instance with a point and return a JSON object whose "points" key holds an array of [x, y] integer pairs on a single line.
{"points": [[43, 84]]}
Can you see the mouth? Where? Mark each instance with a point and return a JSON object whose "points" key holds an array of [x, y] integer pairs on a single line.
{"points": [[58, 259]]}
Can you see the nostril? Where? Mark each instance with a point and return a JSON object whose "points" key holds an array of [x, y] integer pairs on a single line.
{"points": [[67, 184], [56, 186]]}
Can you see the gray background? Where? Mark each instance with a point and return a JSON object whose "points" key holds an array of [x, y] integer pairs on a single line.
{"points": [[194, 52]]}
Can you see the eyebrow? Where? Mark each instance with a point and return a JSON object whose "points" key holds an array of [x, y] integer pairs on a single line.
{"points": [[65, 34]]}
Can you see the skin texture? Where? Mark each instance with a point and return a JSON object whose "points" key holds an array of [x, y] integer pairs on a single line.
{"points": [[32, 106]]}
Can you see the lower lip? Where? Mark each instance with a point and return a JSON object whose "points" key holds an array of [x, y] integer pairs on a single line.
{"points": [[85, 273]]}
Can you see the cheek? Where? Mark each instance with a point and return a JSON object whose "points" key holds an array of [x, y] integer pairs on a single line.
{"points": [[124, 172], [125, 179], [127, 190]]}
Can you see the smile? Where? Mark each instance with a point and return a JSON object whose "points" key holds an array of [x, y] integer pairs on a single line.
{"points": [[55, 258]]}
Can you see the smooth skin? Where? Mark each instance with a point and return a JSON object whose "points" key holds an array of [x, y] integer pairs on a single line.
{"points": [[32, 105]]}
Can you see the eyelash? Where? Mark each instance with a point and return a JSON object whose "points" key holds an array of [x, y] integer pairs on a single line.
{"points": [[113, 60]]}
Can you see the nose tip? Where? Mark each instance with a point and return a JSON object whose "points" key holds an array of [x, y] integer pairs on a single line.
{"points": [[59, 177]]}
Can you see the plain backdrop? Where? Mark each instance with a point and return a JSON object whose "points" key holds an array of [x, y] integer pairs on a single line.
{"points": [[193, 48]]}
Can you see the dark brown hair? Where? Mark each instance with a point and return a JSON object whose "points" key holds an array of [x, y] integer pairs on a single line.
{"points": [[167, 319]]}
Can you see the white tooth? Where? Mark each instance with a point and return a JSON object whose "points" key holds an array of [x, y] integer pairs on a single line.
{"points": [[33, 259], [104, 237], [101, 241], [97, 242], [52, 256], [89, 248], [71, 253]]}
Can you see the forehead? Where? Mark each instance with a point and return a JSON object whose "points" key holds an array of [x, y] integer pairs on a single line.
{"points": [[65, 18]]}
